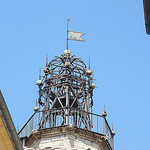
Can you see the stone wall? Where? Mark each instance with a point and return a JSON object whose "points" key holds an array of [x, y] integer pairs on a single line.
{"points": [[64, 142]]}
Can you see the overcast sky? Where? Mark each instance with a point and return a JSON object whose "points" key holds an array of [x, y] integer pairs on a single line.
{"points": [[115, 40]]}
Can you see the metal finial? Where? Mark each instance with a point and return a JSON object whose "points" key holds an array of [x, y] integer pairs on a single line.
{"points": [[40, 74], [104, 114], [46, 60], [36, 108], [89, 71]]}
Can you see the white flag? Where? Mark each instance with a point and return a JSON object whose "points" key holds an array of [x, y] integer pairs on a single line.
{"points": [[75, 36]]}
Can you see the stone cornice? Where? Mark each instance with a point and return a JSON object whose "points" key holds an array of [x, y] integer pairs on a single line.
{"points": [[100, 139]]}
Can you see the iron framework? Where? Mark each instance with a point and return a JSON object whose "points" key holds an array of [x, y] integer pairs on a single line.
{"points": [[66, 83]]}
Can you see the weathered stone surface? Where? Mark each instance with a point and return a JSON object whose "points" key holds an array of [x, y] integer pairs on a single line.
{"points": [[66, 138], [66, 142]]}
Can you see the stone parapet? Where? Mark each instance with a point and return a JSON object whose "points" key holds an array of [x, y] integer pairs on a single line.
{"points": [[67, 138]]}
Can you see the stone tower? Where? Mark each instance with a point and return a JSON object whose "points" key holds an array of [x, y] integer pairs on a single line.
{"points": [[63, 117]]}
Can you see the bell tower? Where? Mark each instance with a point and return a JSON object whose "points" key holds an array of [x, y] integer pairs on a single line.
{"points": [[63, 117], [67, 83]]}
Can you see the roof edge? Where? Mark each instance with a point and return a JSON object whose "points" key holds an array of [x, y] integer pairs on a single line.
{"points": [[10, 125]]}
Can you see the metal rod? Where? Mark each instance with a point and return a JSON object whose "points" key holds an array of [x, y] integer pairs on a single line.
{"points": [[67, 31]]}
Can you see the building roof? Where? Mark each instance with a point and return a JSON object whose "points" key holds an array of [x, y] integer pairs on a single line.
{"points": [[9, 139], [146, 4]]}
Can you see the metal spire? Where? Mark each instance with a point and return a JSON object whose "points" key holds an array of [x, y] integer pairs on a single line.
{"points": [[89, 62], [46, 60], [36, 102], [40, 73], [67, 31], [104, 108]]}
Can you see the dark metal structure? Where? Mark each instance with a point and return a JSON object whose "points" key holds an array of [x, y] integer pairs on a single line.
{"points": [[66, 101], [66, 83], [146, 4]]}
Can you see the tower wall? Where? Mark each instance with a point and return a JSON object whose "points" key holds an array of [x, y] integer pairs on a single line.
{"points": [[66, 138], [66, 142]]}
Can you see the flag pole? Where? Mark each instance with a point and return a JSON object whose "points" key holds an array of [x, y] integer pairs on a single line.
{"points": [[67, 31]]}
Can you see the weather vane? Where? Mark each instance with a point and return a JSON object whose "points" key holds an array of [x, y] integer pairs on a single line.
{"points": [[72, 35]]}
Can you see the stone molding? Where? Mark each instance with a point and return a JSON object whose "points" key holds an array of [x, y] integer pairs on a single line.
{"points": [[93, 137]]}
